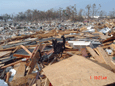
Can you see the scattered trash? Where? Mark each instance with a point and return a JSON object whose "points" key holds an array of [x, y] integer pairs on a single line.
{"points": [[38, 54]]}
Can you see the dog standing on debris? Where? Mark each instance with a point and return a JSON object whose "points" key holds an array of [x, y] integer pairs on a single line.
{"points": [[58, 47]]}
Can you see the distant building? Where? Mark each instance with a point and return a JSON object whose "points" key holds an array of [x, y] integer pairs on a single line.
{"points": [[96, 17]]}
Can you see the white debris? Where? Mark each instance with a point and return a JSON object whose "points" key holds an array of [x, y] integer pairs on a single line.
{"points": [[105, 30], [13, 72], [3, 83], [109, 51]]}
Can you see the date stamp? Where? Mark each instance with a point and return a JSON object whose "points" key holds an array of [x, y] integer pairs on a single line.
{"points": [[99, 77]]}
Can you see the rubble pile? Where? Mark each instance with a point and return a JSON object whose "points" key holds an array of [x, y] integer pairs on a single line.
{"points": [[57, 54]]}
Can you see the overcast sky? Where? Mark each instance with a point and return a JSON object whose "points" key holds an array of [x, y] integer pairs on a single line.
{"points": [[15, 6]]}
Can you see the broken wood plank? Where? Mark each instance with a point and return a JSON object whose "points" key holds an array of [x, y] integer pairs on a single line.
{"points": [[112, 46], [68, 32], [67, 46], [3, 58], [20, 71], [106, 46], [106, 57], [26, 50], [21, 56], [15, 49], [38, 82], [4, 53], [8, 76], [11, 64], [34, 58], [79, 71], [73, 52], [46, 82], [93, 53], [23, 81]]}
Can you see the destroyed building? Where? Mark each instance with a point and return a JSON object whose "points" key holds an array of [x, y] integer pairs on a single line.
{"points": [[57, 54]]}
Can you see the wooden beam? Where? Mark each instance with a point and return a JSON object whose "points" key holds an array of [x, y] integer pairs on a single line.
{"points": [[11, 64], [4, 53], [26, 50], [112, 46], [93, 53], [106, 57], [105, 46], [8, 76], [34, 58], [46, 82], [15, 49], [21, 56]]}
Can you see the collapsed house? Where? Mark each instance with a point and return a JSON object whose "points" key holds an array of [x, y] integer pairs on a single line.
{"points": [[56, 55]]}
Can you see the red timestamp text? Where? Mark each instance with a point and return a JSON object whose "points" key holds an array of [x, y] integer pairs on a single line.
{"points": [[99, 77]]}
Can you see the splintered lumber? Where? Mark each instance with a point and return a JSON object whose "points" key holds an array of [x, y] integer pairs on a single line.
{"points": [[46, 82], [73, 52], [83, 28], [106, 57], [106, 46], [22, 81], [93, 53], [68, 46], [38, 82], [26, 50], [102, 36], [34, 58], [112, 46], [20, 71], [13, 42], [43, 47], [8, 76], [45, 35], [3, 58], [107, 43], [15, 49], [4, 53], [68, 32], [11, 64], [21, 56], [111, 39], [12, 48], [79, 71]]}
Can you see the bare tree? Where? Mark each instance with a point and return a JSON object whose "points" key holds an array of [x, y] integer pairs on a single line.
{"points": [[80, 12], [88, 8], [95, 9], [28, 14], [112, 13], [102, 13]]}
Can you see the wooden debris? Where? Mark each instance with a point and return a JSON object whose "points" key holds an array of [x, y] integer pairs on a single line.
{"points": [[5, 53], [45, 67], [106, 57], [23, 80], [8, 76], [93, 53], [77, 69], [21, 71], [26, 50]]}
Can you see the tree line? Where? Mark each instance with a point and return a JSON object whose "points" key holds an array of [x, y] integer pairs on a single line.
{"points": [[70, 12]]}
